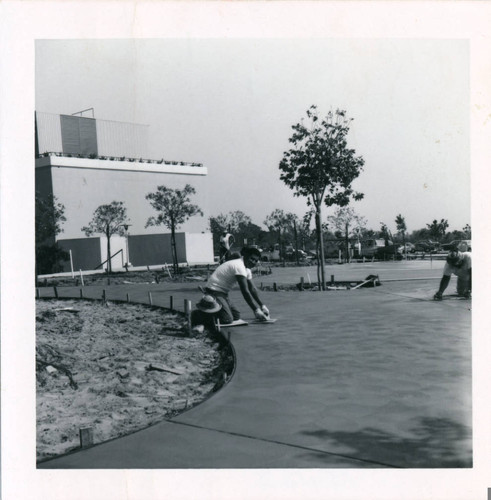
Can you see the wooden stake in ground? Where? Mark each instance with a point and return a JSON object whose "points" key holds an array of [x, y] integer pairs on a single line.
{"points": [[166, 268], [187, 311], [86, 437]]}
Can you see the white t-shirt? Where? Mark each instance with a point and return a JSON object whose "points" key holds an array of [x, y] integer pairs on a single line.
{"points": [[463, 270], [224, 277]]}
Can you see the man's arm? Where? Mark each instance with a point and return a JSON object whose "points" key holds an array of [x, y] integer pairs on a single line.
{"points": [[249, 297], [443, 285], [253, 291], [244, 288]]}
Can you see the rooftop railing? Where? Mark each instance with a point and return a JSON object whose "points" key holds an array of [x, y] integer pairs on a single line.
{"points": [[119, 158]]}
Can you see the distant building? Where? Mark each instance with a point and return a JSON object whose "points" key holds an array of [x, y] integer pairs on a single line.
{"points": [[87, 162]]}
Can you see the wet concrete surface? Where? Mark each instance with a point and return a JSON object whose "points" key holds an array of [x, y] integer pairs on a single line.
{"points": [[367, 378]]}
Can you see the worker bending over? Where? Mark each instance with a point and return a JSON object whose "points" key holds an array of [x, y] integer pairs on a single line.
{"points": [[460, 264], [226, 276]]}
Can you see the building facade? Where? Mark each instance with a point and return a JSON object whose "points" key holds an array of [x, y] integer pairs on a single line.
{"points": [[86, 163]]}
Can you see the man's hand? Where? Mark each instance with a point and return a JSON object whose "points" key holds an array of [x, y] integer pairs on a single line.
{"points": [[260, 315], [265, 310], [437, 296]]}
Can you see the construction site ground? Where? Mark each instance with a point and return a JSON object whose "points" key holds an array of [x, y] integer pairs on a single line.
{"points": [[368, 378]]}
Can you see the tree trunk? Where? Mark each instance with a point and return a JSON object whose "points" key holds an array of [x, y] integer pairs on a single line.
{"points": [[280, 249], [296, 241], [174, 249], [348, 256], [109, 266], [318, 227]]}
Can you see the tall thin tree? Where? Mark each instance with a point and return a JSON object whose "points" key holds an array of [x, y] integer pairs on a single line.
{"points": [[347, 222], [402, 229], [108, 220], [174, 207], [321, 167]]}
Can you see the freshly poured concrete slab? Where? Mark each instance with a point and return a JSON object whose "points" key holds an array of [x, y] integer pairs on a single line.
{"points": [[179, 446], [377, 377]]}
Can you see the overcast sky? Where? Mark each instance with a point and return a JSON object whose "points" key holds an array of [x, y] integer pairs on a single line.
{"points": [[230, 104]]}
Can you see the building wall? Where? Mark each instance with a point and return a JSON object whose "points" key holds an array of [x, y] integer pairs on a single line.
{"points": [[155, 249], [82, 190], [86, 253], [143, 250], [199, 248], [44, 181], [118, 249]]}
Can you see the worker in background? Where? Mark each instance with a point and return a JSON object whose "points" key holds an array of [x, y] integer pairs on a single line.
{"points": [[226, 242], [460, 264]]}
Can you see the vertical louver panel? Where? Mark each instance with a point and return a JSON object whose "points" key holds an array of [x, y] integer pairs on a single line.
{"points": [[79, 135], [88, 136], [122, 139], [69, 134], [75, 135], [48, 133]]}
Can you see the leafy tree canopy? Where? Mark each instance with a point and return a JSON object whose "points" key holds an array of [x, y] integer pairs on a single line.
{"points": [[401, 224], [279, 221], [232, 222], [437, 229], [173, 206], [239, 225], [49, 217], [108, 220], [346, 217], [320, 166]]}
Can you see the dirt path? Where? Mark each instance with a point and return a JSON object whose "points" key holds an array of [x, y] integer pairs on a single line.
{"points": [[92, 370]]}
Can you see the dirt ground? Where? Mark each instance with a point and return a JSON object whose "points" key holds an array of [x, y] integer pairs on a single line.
{"points": [[117, 368]]}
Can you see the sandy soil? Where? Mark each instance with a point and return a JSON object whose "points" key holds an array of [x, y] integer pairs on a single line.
{"points": [[93, 370]]}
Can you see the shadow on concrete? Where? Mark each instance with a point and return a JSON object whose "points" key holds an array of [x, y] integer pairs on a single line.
{"points": [[437, 443]]}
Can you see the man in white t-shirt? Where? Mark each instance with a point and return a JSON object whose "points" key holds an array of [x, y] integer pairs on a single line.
{"points": [[224, 279], [460, 264]]}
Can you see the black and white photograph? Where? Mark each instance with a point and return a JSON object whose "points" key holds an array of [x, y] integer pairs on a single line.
{"points": [[249, 257]]}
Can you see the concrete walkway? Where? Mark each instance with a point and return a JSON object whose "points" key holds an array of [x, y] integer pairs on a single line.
{"points": [[374, 377]]}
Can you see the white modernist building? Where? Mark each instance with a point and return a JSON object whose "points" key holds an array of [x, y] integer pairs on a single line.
{"points": [[86, 163]]}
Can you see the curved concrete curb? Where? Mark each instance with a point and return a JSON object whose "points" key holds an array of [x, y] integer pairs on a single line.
{"points": [[376, 378]]}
